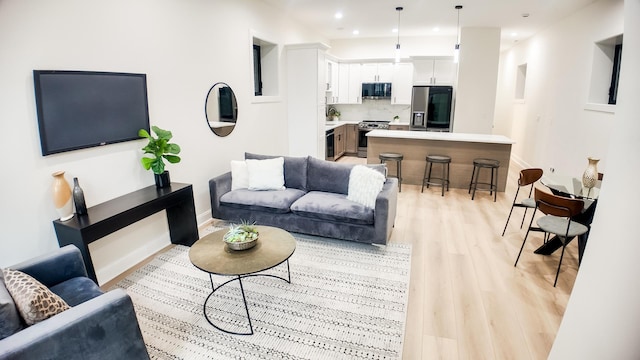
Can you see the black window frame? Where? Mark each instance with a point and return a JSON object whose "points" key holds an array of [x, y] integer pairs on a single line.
{"points": [[615, 75], [257, 71]]}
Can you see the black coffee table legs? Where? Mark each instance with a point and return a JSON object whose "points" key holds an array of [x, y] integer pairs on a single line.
{"points": [[244, 298]]}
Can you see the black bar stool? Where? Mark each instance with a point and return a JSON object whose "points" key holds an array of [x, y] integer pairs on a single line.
{"points": [[492, 187], [398, 159], [436, 181]]}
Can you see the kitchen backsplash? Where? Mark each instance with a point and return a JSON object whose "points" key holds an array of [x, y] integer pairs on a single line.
{"points": [[373, 110]]}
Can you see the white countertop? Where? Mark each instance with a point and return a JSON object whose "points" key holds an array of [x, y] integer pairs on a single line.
{"points": [[334, 124], [445, 136]]}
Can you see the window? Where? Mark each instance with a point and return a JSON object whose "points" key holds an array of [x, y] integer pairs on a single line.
{"points": [[615, 75], [605, 71], [265, 69], [257, 71], [521, 79]]}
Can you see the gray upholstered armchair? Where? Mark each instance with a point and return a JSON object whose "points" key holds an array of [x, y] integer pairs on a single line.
{"points": [[97, 326]]}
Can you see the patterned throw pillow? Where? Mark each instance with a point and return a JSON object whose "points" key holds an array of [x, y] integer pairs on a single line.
{"points": [[34, 301]]}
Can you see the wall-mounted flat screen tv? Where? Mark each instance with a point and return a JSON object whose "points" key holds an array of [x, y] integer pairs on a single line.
{"points": [[81, 109]]}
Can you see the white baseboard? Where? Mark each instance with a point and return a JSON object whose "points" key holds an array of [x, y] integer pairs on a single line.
{"points": [[129, 260]]}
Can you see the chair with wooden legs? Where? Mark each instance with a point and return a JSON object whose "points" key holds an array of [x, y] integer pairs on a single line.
{"points": [[558, 212], [527, 177]]}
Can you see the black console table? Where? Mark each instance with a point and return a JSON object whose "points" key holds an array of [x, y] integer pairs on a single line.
{"points": [[108, 217]]}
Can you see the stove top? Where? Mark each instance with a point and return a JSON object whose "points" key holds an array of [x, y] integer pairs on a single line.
{"points": [[373, 124]]}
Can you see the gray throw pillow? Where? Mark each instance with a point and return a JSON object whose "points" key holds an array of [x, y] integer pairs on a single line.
{"points": [[329, 176], [9, 318]]}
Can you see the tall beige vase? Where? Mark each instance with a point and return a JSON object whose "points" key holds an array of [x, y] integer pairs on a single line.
{"points": [[590, 175], [62, 198]]}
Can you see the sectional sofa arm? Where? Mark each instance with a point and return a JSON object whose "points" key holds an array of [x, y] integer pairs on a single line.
{"points": [[386, 206], [218, 186], [58, 266], [104, 327]]}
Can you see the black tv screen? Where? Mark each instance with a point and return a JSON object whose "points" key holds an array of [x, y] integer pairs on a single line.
{"points": [[81, 109]]}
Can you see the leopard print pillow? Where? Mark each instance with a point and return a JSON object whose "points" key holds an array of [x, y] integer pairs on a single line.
{"points": [[34, 301]]}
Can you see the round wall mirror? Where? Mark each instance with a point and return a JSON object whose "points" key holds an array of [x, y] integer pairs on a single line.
{"points": [[221, 109]]}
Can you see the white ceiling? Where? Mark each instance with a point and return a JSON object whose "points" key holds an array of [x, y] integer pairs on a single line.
{"points": [[377, 18]]}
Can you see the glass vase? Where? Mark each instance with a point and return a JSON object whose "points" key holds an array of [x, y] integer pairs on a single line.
{"points": [[78, 198]]}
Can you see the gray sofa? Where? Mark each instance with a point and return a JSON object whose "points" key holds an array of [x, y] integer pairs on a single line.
{"points": [[97, 326], [314, 202]]}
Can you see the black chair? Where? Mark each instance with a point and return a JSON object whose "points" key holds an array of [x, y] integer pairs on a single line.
{"points": [[527, 177], [558, 212]]}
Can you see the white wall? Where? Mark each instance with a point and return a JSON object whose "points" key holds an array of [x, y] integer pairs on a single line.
{"points": [[184, 47], [476, 87], [601, 320], [553, 129], [550, 126]]}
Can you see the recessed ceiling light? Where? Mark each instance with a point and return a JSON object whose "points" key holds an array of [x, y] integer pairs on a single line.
{"points": [[514, 34], [338, 15], [356, 32], [525, 15], [394, 30], [436, 29]]}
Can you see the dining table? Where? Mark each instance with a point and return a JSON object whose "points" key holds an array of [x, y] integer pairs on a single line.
{"points": [[572, 187]]}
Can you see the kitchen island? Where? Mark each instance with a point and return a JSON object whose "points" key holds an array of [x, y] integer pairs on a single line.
{"points": [[462, 148]]}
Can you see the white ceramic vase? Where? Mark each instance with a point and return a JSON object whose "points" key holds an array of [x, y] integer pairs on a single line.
{"points": [[590, 175], [62, 198]]}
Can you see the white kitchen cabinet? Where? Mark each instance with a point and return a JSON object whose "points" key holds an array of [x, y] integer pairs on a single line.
{"points": [[355, 84], [402, 84], [377, 72], [343, 84], [348, 89], [434, 71], [333, 78]]}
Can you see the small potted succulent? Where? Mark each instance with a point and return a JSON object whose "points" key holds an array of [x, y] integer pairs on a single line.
{"points": [[161, 149], [241, 236]]}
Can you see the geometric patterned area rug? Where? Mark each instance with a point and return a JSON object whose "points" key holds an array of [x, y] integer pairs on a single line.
{"points": [[346, 300]]}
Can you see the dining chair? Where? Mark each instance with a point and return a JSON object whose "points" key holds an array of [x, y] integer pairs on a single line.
{"points": [[558, 212], [527, 177]]}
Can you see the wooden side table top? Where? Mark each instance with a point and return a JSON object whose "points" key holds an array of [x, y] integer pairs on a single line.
{"points": [[210, 254]]}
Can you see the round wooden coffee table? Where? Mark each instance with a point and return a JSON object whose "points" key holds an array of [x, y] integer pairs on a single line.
{"points": [[210, 254]]}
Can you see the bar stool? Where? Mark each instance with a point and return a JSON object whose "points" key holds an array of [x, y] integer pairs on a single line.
{"points": [[398, 159], [492, 187], [436, 181]]}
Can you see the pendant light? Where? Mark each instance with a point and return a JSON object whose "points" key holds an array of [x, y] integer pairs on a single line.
{"points": [[398, 9], [456, 49]]}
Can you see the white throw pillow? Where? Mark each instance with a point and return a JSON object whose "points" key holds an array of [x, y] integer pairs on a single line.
{"points": [[266, 174], [364, 185], [239, 175]]}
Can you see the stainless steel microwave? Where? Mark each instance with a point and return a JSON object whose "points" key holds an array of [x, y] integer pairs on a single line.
{"points": [[376, 90]]}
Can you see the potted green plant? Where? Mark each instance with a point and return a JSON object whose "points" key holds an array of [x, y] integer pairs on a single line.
{"points": [[241, 236], [160, 149], [334, 114]]}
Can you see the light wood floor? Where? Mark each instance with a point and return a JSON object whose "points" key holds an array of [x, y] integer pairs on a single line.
{"points": [[466, 299]]}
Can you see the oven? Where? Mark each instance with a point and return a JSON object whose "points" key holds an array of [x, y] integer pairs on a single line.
{"points": [[363, 128]]}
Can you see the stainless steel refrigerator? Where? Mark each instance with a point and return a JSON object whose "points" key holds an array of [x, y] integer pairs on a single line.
{"points": [[431, 108]]}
